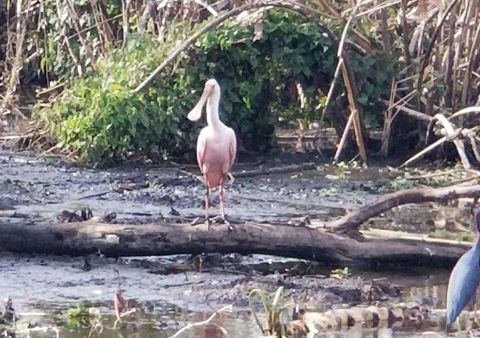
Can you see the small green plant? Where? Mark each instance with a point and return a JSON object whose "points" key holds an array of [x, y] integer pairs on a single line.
{"points": [[340, 273], [402, 182], [82, 316], [274, 309], [464, 236]]}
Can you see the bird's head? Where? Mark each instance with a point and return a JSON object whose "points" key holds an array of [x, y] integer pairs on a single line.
{"points": [[211, 90]]}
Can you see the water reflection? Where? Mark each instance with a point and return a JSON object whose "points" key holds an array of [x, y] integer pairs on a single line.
{"points": [[160, 317]]}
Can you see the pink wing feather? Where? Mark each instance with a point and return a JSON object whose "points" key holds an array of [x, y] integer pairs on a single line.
{"points": [[232, 149], [201, 149]]}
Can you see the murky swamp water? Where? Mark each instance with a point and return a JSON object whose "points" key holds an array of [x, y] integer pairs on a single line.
{"points": [[170, 292]]}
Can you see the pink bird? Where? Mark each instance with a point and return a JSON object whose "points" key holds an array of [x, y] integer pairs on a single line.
{"points": [[216, 145]]}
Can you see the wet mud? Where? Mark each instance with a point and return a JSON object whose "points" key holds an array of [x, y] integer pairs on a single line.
{"points": [[174, 290]]}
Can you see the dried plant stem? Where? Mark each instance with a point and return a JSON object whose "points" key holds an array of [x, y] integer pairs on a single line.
{"points": [[388, 121], [13, 81], [344, 136], [427, 150], [458, 143], [205, 322], [330, 90], [352, 92], [450, 56], [468, 73], [435, 36], [405, 34], [125, 20], [76, 24]]}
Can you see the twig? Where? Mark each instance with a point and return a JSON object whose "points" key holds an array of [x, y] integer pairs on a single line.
{"points": [[458, 143], [387, 125], [77, 26], [205, 322], [449, 73], [348, 79], [405, 34], [352, 92], [431, 147], [464, 111], [40, 329], [330, 90], [413, 113], [103, 193]]}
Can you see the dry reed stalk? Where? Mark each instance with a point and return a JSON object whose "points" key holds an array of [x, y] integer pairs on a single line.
{"points": [[344, 136], [16, 65], [66, 40], [431, 46], [449, 77], [387, 125], [469, 71], [76, 24], [126, 4]]}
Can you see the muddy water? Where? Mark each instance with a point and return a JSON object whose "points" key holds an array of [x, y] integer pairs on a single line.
{"points": [[43, 287], [166, 300], [170, 292]]}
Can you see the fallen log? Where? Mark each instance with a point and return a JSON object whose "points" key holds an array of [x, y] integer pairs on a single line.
{"points": [[321, 241], [115, 240], [352, 220]]}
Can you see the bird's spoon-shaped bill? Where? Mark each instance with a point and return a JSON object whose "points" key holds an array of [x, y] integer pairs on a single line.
{"points": [[196, 112]]}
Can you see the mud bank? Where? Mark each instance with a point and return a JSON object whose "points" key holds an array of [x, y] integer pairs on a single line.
{"points": [[174, 290]]}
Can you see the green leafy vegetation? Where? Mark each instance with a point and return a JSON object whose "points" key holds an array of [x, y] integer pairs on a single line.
{"points": [[100, 120], [464, 236], [275, 310], [78, 316]]}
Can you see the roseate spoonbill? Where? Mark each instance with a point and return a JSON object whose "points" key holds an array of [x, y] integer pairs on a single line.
{"points": [[464, 279], [216, 145]]}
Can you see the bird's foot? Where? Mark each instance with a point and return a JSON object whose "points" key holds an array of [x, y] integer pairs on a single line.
{"points": [[225, 220], [196, 221], [200, 220]]}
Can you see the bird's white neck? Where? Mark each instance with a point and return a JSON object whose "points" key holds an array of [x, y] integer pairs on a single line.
{"points": [[213, 119]]}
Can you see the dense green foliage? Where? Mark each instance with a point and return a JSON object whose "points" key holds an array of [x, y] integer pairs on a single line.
{"points": [[101, 120]]}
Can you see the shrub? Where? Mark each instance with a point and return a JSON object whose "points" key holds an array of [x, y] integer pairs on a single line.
{"points": [[101, 120]]}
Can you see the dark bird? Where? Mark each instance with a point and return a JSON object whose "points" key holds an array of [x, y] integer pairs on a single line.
{"points": [[464, 279]]}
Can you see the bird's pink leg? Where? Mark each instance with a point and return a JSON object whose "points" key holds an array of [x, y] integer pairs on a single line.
{"points": [[222, 202], [207, 203], [231, 226]]}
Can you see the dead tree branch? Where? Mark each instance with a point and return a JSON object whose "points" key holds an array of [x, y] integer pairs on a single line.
{"points": [[354, 219]]}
